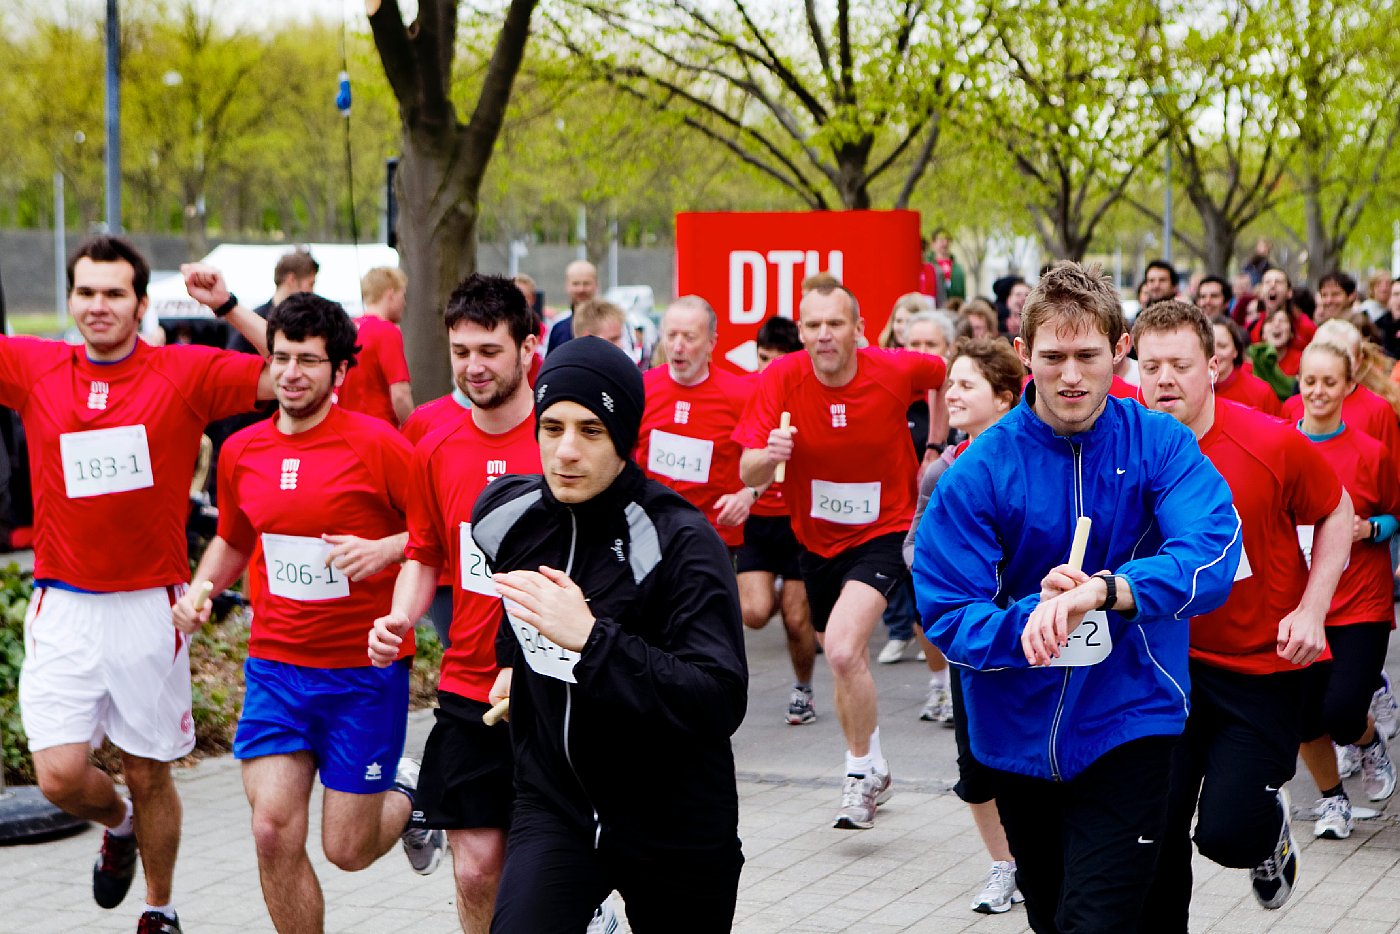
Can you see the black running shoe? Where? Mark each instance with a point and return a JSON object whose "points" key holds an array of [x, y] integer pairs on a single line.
{"points": [[154, 922], [114, 869]]}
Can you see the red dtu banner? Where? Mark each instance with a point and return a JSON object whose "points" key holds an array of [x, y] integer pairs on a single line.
{"points": [[750, 267]]}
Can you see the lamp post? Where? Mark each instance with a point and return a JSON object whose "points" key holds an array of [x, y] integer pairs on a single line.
{"points": [[114, 121]]}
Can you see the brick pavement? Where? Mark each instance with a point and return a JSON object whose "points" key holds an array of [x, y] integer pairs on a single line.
{"points": [[916, 871]]}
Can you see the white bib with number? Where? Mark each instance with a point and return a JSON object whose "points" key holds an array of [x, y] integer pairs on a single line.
{"points": [[1244, 571], [679, 457], [1089, 644], [846, 503], [542, 655], [297, 569], [106, 460], [476, 577]]}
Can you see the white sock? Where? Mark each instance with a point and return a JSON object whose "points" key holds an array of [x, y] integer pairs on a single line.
{"points": [[877, 758], [126, 828], [938, 679], [857, 765], [167, 910]]}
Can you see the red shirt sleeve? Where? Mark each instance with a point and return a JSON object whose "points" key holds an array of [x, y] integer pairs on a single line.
{"points": [[234, 526], [392, 361], [764, 411], [20, 358], [1311, 489], [226, 381], [425, 544]]}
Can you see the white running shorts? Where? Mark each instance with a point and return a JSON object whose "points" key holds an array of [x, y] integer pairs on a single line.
{"points": [[108, 664]]}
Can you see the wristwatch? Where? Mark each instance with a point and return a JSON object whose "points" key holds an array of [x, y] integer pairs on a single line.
{"points": [[1110, 581], [227, 306]]}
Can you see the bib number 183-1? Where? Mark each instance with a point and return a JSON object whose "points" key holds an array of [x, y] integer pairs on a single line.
{"points": [[106, 460]]}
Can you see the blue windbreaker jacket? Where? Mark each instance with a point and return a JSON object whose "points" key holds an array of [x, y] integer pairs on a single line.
{"points": [[1004, 514]]}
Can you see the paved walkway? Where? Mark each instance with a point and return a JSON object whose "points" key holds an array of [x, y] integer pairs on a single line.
{"points": [[917, 870]]}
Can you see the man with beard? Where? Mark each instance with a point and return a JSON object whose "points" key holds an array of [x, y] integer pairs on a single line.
{"points": [[317, 496], [466, 788]]}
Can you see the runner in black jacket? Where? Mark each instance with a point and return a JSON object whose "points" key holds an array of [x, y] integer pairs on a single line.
{"points": [[620, 721]]}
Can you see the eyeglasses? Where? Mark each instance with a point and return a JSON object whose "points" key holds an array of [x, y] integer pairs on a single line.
{"points": [[305, 361]]}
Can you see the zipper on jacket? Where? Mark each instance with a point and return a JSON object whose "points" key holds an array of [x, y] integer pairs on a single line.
{"points": [[569, 695], [1076, 453]]}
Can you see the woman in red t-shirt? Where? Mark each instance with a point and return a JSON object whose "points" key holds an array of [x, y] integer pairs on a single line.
{"points": [[984, 383], [1362, 615]]}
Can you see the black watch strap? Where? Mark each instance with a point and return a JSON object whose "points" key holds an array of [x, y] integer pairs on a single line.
{"points": [[227, 306], [1111, 583]]}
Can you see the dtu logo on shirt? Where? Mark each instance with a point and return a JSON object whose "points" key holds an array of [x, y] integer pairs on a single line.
{"points": [[97, 394], [290, 466], [838, 415], [495, 469], [682, 413]]}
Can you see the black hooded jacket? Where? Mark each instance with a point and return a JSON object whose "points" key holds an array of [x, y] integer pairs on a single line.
{"points": [[637, 751]]}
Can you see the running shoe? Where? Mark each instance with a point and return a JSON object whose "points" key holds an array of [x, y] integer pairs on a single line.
{"points": [[1348, 760], [893, 651], [938, 708], [604, 919], [859, 796], [155, 922], [114, 869], [800, 707], [1385, 709], [422, 846], [1273, 879], [1000, 892], [1333, 818], [1377, 771]]}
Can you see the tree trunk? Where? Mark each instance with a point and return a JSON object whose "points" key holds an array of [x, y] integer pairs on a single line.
{"points": [[1322, 248], [437, 248], [1218, 238]]}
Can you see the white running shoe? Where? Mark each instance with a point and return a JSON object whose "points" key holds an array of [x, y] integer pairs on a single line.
{"points": [[859, 796], [604, 919], [1348, 760], [1385, 710], [893, 651], [1333, 818], [1000, 892], [1377, 771], [938, 707]]}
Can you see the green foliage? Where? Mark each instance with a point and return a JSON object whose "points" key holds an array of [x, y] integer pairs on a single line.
{"points": [[15, 588]]}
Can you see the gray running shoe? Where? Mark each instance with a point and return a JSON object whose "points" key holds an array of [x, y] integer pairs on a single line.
{"points": [[1333, 818], [422, 846], [859, 796], [1377, 771], [1385, 710], [938, 707], [1000, 892], [1273, 879], [800, 707], [1348, 760], [604, 919]]}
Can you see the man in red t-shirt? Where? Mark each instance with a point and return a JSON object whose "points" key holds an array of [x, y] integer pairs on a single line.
{"points": [[379, 383], [685, 440], [850, 509], [316, 498], [114, 427], [1248, 658], [466, 783]]}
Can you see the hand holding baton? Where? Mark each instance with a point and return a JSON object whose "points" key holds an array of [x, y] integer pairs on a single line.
{"points": [[1080, 543], [780, 472], [497, 713]]}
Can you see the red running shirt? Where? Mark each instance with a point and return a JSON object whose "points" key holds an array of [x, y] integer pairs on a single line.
{"points": [[772, 502], [451, 468], [1369, 475], [686, 441], [347, 476], [111, 452], [430, 416], [851, 476], [378, 366], [1279, 481], [1247, 389]]}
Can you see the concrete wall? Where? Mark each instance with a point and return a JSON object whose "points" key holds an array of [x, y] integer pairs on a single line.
{"points": [[27, 266]]}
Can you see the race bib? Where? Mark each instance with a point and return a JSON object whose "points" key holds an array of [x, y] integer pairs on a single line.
{"points": [[1244, 571], [107, 460], [297, 569], [1089, 644], [543, 656], [846, 503], [1305, 544], [476, 577], [679, 457]]}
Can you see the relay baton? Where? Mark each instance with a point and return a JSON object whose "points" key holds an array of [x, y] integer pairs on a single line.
{"points": [[1081, 542], [497, 713], [780, 472]]}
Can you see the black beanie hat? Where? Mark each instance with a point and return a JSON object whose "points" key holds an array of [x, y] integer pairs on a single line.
{"points": [[602, 379]]}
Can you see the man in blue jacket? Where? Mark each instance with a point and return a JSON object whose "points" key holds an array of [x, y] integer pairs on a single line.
{"points": [[1076, 686]]}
